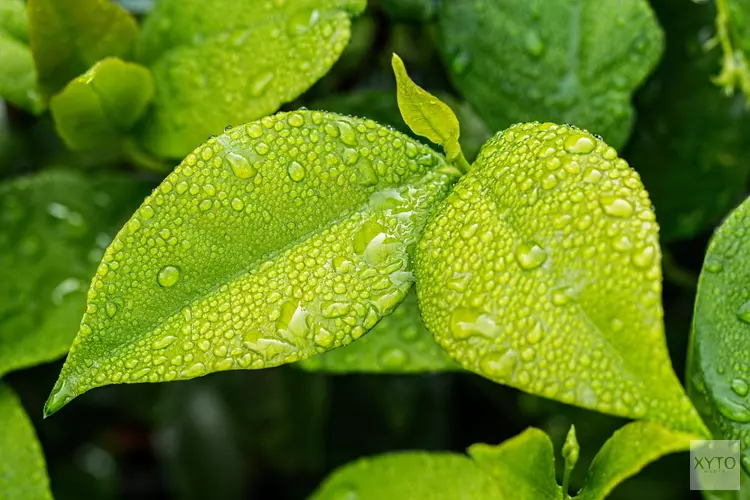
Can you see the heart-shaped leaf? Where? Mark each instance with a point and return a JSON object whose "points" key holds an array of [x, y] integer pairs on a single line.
{"points": [[275, 241], [54, 227], [23, 474], [718, 373], [541, 270], [399, 343], [234, 62], [567, 61]]}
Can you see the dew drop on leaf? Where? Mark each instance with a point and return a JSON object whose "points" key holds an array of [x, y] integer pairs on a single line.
{"points": [[168, 276]]}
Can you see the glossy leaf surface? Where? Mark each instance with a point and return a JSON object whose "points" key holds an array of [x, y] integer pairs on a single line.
{"points": [[718, 374], [234, 62], [275, 241], [69, 36], [567, 61], [399, 343], [22, 469], [54, 227], [541, 270]]}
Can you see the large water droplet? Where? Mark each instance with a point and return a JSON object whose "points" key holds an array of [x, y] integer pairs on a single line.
{"points": [[296, 171], [579, 144], [168, 276], [499, 364], [743, 313], [530, 256], [733, 410], [467, 323], [616, 207], [740, 387], [240, 166]]}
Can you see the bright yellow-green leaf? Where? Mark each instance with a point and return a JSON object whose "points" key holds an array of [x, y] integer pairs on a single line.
{"points": [[96, 108], [399, 343], [274, 241], [541, 270], [18, 76], [23, 475], [69, 36], [234, 62], [424, 113]]}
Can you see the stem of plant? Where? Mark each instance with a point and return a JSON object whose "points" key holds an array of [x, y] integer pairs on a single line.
{"points": [[461, 163], [566, 483]]}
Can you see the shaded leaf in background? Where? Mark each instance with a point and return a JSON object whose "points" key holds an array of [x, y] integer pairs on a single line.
{"points": [[718, 372], [382, 106], [567, 61], [96, 108], [18, 78], [23, 474], [54, 227], [733, 38], [234, 62], [410, 11], [541, 270], [399, 343], [69, 36], [275, 241], [690, 144]]}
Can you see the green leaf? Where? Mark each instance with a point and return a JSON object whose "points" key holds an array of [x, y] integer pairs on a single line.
{"points": [[425, 114], [399, 343], [23, 475], [53, 230], [408, 476], [277, 240], [541, 271], [18, 77], [630, 448], [568, 61], [416, 11], [69, 36], [382, 106], [234, 62], [523, 466], [97, 107], [733, 36], [718, 374], [693, 183]]}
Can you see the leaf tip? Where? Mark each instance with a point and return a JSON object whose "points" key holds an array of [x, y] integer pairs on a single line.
{"points": [[62, 393]]}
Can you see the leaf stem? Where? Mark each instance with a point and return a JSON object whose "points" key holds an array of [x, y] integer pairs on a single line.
{"points": [[460, 163], [566, 483]]}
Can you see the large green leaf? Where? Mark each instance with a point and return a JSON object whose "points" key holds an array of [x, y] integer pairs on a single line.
{"points": [[569, 61], [399, 343], [277, 240], [410, 476], [96, 108], [18, 77], [541, 270], [718, 373], [54, 227], [693, 183], [234, 62], [23, 475], [69, 36]]}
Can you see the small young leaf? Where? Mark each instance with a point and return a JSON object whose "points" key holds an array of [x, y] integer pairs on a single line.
{"points": [[234, 62], [558, 60], [630, 449], [733, 36], [18, 77], [23, 474], [97, 107], [69, 36], [523, 467], [277, 240], [541, 270], [718, 374], [399, 343], [424, 113], [53, 230], [410, 476]]}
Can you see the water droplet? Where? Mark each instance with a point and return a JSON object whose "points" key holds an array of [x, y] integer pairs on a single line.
{"points": [[111, 309], [296, 120], [296, 171], [332, 310], [499, 364], [65, 288], [616, 207], [168, 276], [579, 144], [347, 134], [733, 410], [740, 387], [163, 342], [238, 204], [302, 21], [530, 256], [195, 370], [560, 296], [393, 357], [467, 323], [644, 257], [240, 166], [743, 313]]}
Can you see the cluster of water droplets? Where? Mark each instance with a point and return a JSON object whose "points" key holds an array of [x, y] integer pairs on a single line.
{"points": [[541, 270], [272, 242]]}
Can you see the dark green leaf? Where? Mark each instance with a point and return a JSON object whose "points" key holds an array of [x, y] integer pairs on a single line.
{"points": [[22, 470], [399, 343], [568, 61], [96, 108], [718, 373], [541, 270], [69, 36], [18, 76], [234, 62], [277, 240], [54, 227], [418, 11]]}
